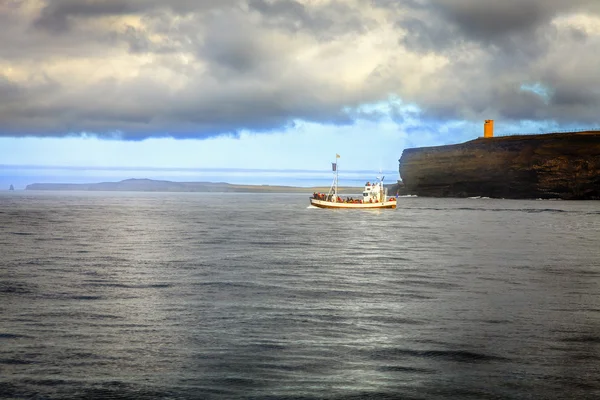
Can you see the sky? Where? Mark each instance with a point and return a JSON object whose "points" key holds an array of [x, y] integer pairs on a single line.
{"points": [[268, 91]]}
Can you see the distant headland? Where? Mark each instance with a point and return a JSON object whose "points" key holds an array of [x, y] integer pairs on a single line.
{"points": [[151, 185]]}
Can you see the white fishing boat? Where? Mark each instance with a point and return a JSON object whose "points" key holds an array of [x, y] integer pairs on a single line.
{"points": [[374, 195]]}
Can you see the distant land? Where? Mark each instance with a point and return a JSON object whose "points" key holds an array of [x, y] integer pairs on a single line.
{"points": [[151, 185]]}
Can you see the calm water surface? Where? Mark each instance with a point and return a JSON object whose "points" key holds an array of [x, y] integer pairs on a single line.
{"points": [[138, 295]]}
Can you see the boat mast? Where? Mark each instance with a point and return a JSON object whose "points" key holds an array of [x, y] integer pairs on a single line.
{"points": [[333, 191], [382, 193], [336, 176]]}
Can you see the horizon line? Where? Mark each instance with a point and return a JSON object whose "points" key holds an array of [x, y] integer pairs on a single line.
{"points": [[175, 169]]}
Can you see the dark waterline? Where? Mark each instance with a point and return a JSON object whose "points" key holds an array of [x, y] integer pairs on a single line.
{"points": [[190, 295]]}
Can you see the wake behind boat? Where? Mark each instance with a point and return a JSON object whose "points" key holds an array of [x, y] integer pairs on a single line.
{"points": [[374, 195]]}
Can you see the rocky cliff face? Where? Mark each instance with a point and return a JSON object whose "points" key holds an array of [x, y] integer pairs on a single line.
{"points": [[565, 166]]}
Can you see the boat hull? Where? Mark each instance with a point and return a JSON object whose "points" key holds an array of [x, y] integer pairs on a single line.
{"points": [[353, 206]]}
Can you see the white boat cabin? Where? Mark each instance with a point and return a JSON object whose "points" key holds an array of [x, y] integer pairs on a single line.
{"points": [[374, 192]]}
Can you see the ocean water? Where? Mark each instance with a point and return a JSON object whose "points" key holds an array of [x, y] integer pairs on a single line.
{"points": [[256, 296]]}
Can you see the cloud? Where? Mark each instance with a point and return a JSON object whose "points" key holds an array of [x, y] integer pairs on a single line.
{"points": [[134, 69], [494, 48], [55, 16], [487, 22]]}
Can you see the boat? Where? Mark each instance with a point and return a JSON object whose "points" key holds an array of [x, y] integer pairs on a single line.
{"points": [[11, 188], [374, 195]]}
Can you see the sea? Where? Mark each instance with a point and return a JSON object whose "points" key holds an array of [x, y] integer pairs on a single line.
{"points": [[117, 295]]}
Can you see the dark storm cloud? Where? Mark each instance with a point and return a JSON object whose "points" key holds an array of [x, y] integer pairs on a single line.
{"points": [[325, 22], [425, 36], [233, 44], [486, 21], [511, 42], [212, 68], [141, 68], [8, 90], [490, 20], [56, 14]]}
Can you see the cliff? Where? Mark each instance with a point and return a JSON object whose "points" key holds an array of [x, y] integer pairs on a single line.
{"points": [[560, 165]]}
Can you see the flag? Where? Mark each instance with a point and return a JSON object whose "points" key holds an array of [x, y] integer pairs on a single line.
{"points": [[337, 156], [333, 166]]}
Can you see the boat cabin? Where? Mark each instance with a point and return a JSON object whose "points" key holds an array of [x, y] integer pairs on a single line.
{"points": [[373, 193]]}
